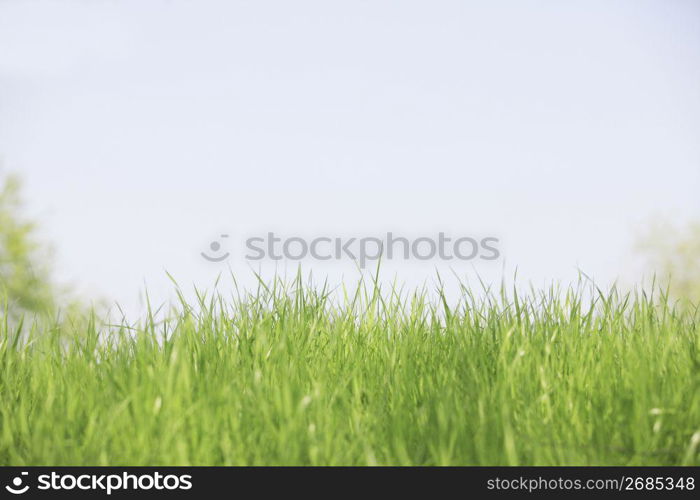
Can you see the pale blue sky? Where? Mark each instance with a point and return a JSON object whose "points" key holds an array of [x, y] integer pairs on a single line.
{"points": [[145, 129]]}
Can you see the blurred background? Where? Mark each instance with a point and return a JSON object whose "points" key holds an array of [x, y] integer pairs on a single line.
{"points": [[141, 131]]}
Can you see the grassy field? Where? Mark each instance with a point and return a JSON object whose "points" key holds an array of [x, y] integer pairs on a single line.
{"points": [[299, 375]]}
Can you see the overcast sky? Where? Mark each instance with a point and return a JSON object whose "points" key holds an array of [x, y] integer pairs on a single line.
{"points": [[144, 130]]}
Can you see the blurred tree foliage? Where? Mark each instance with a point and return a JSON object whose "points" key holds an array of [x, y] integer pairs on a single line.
{"points": [[25, 285], [674, 255]]}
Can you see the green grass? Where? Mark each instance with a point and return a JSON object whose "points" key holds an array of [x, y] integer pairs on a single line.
{"points": [[301, 375]]}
